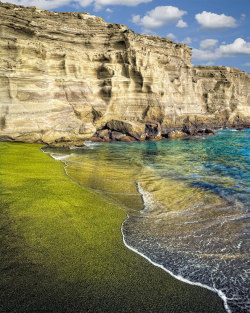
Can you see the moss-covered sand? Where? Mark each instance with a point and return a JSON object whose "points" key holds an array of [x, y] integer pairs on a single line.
{"points": [[62, 250]]}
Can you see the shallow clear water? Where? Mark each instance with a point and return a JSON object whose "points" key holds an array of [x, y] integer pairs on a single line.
{"points": [[187, 201]]}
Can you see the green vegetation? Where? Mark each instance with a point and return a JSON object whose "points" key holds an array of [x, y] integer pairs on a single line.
{"points": [[62, 250]]}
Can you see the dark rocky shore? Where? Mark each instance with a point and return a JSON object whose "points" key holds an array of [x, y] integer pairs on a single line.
{"points": [[125, 131]]}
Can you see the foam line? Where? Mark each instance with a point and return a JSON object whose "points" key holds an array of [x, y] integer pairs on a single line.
{"points": [[145, 196], [179, 277]]}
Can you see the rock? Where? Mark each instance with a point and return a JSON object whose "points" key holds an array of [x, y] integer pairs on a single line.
{"points": [[165, 130], [127, 139], [201, 131], [193, 132], [186, 129], [176, 134], [106, 139], [117, 135], [6, 139], [87, 129], [70, 144], [153, 130], [96, 139], [209, 131], [133, 129], [154, 138], [64, 75], [104, 134]]}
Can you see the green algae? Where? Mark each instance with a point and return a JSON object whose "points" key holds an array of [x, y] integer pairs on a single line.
{"points": [[62, 249]]}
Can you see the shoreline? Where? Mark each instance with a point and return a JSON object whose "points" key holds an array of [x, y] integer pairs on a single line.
{"points": [[176, 133], [182, 279], [178, 277], [70, 248], [218, 292]]}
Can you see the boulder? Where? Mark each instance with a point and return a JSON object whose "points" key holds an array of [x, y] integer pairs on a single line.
{"points": [[176, 134], [165, 130], [153, 129], [156, 138], [117, 135], [96, 139], [104, 134], [209, 131], [106, 139], [202, 132], [128, 139], [132, 129], [186, 129]]}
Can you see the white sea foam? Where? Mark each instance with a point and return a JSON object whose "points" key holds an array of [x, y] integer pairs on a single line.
{"points": [[91, 145], [59, 156], [219, 292], [56, 156], [149, 205], [147, 197]]}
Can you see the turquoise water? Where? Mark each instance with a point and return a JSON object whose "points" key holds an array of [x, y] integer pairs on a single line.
{"points": [[187, 202]]}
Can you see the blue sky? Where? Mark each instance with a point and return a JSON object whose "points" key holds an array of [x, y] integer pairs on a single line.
{"points": [[217, 30]]}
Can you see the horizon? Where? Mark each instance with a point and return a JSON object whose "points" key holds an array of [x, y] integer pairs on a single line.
{"points": [[217, 37]]}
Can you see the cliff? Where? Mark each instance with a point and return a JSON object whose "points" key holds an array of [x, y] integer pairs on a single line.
{"points": [[65, 76]]}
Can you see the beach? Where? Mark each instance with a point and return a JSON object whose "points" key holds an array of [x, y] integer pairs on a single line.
{"points": [[63, 251]]}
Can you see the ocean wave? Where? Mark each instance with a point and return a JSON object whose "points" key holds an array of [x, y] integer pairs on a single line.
{"points": [[179, 277], [185, 263], [60, 157], [91, 145], [193, 223]]}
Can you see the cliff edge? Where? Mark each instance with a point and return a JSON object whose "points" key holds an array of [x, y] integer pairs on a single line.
{"points": [[66, 76]]}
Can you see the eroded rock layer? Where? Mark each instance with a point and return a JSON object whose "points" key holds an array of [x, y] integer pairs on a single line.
{"points": [[66, 76]]}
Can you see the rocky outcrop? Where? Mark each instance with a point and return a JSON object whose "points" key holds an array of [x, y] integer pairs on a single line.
{"points": [[66, 76], [133, 129]]}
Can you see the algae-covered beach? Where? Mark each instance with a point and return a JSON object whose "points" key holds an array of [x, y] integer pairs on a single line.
{"points": [[62, 248]]}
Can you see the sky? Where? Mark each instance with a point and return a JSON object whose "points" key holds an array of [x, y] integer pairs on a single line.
{"points": [[217, 30]]}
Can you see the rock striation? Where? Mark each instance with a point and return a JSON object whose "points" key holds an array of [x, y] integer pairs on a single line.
{"points": [[66, 77]]}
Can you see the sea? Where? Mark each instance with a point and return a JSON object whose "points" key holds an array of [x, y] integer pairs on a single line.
{"points": [[187, 203]]}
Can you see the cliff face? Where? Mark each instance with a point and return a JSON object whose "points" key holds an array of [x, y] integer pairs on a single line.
{"points": [[66, 75]]}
